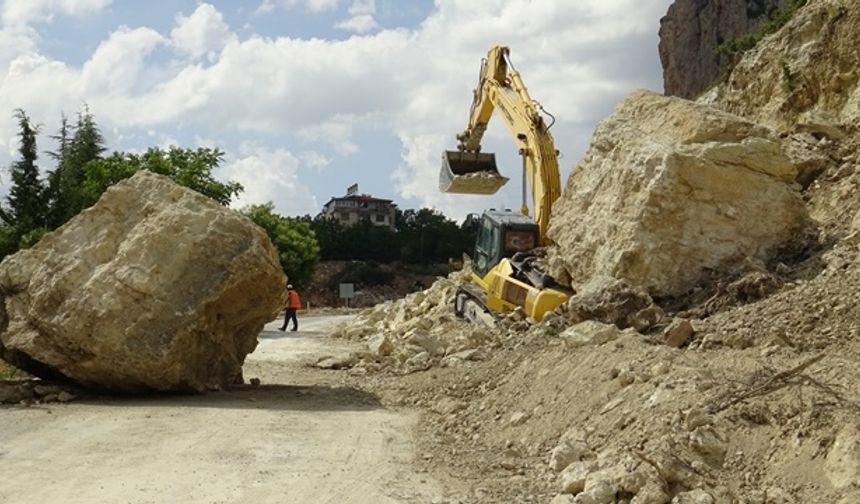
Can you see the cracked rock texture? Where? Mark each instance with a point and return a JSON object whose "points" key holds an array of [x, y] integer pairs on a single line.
{"points": [[156, 287], [671, 190]]}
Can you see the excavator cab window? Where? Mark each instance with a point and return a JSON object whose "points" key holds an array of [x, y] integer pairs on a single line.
{"points": [[487, 247], [519, 240]]}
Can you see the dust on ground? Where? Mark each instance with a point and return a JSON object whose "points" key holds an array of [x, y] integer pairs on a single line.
{"points": [[301, 436]]}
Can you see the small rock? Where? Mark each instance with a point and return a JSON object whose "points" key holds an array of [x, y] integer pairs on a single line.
{"points": [[602, 492], [380, 345], [567, 452], [65, 397], [697, 418], [853, 498], [626, 377], [419, 362], [335, 362], [647, 318], [589, 332], [255, 382], [697, 496], [617, 478], [562, 499], [783, 269], [572, 478], [427, 342], [842, 465], [660, 368], [855, 223], [519, 418], [652, 493], [14, 393], [706, 441], [448, 406], [678, 333]]}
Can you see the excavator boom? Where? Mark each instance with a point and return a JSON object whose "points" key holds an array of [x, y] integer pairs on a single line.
{"points": [[468, 170], [505, 272]]}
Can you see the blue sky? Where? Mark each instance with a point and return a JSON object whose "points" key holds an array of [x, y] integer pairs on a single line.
{"points": [[307, 97]]}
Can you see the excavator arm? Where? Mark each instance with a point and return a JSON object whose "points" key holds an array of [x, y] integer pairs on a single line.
{"points": [[501, 89]]}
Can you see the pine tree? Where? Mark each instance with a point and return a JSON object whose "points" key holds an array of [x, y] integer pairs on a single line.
{"points": [[26, 199], [87, 144], [55, 209]]}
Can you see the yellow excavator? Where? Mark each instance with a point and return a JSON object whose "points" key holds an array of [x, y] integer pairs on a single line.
{"points": [[504, 274]]}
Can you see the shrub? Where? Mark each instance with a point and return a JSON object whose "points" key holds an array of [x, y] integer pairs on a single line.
{"points": [[774, 23]]}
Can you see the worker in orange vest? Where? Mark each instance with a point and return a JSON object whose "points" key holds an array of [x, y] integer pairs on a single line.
{"points": [[293, 304]]}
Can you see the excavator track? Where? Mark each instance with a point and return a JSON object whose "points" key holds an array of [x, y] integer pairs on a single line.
{"points": [[470, 303]]}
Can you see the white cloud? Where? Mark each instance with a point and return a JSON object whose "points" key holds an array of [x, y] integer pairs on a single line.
{"points": [[17, 12], [270, 176], [313, 159], [359, 24], [311, 5], [413, 85], [116, 65], [361, 20], [360, 7], [203, 32]]}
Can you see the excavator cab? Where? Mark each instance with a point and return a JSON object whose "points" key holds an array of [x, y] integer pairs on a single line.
{"points": [[470, 173], [502, 235]]}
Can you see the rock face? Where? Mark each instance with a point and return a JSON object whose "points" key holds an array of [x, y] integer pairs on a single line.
{"points": [[804, 77], [156, 287], [671, 190], [691, 33]]}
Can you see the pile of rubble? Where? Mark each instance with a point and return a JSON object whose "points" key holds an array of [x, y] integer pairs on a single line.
{"points": [[27, 392], [415, 333], [709, 354]]}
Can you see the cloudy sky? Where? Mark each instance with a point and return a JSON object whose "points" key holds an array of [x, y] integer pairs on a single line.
{"points": [[307, 97]]}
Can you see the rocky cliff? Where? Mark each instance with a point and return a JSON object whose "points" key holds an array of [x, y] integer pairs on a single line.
{"points": [[691, 33]]}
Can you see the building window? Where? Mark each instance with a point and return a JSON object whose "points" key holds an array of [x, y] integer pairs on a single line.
{"points": [[380, 218]]}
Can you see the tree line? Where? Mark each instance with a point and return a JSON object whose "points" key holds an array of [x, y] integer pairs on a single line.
{"points": [[40, 202], [423, 236], [420, 237]]}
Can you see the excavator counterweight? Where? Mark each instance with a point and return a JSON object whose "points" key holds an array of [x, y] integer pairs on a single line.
{"points": [[470, 173]]}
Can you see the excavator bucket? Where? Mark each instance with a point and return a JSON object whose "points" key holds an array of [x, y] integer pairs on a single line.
{"points": [[470, 172]]}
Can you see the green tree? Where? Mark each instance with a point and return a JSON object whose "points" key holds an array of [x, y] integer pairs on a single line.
{"points": [[427, 236], [86, 144], [187, 167], [25, 215], [331, 236], [294, 239], [26, 199], [55, 212], [777, 19]]}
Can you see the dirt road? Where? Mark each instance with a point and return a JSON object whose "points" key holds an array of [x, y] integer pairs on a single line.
{"points": [[299, 438]]}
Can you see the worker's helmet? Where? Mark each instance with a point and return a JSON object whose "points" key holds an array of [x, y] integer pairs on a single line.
{"points": [[289, 286]]}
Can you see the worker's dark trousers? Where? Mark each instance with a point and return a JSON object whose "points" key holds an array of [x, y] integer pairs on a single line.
{"points": [[290, 315]]}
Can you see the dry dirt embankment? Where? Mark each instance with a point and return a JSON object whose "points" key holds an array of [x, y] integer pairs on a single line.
{"points": [[720, 364]]}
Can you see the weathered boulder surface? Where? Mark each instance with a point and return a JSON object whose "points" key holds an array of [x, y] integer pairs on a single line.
{"points": [[671, 190], [804, 77], [156, 287], [691, 34]]}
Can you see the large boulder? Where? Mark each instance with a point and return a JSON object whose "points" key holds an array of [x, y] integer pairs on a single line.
{"points": [[156, 287], [671, 190]]}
